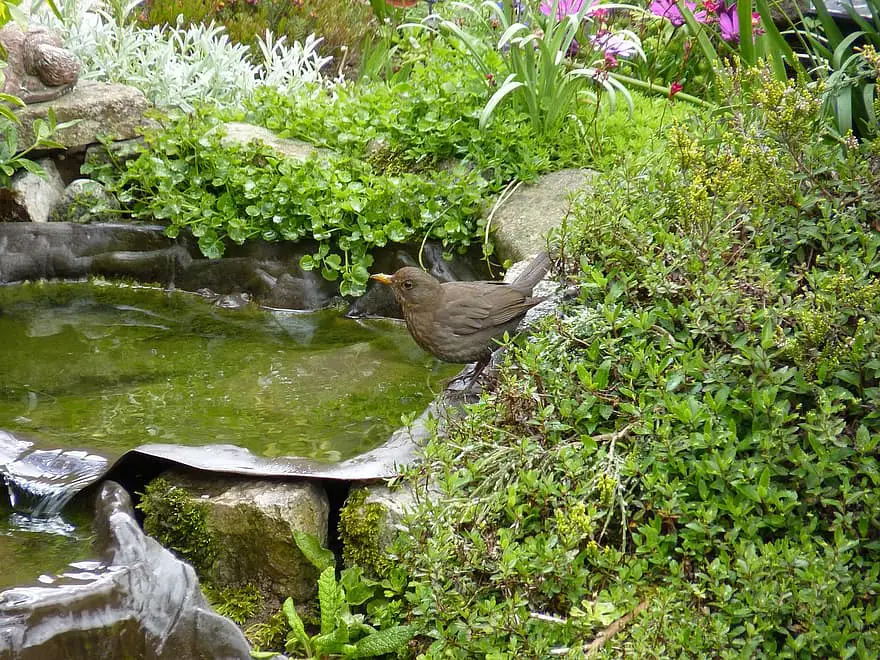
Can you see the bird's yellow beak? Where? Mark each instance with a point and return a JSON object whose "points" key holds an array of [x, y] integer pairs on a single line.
{"points": [[381, 277]]}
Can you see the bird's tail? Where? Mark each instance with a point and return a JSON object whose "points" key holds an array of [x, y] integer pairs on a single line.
{"points": [[533, 273]]}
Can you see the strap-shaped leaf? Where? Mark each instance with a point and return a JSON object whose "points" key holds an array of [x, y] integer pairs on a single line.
{"points": [[507, 86], [298, 630]]}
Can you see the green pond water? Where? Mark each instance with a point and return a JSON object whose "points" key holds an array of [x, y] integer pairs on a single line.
{"points": [[105, 368]]}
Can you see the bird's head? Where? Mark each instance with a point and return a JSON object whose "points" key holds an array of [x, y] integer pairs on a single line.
{"points": [[411, 286]]}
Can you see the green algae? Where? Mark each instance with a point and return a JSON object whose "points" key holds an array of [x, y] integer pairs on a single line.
{"points": [[106, 368]]}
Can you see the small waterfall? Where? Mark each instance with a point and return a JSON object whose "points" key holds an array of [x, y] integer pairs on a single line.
{"points": [[41, 482]]}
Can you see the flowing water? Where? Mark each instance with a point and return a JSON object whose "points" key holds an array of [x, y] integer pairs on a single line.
{"points": [[88, 371]]}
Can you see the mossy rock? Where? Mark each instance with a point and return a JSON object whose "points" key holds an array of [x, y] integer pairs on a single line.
{"points": [[368, 525], [238, 532], [83, 201]]}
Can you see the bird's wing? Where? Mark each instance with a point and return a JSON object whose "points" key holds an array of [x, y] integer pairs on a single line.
{"points": [[470, 309]]}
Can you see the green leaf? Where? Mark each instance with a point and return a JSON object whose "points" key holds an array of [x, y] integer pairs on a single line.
{"points": [[296, 625], [746, 42], [385, 641], [333, 642], [764, 482], [506, 88], [330, 598], [310, 545], [699, 32]]}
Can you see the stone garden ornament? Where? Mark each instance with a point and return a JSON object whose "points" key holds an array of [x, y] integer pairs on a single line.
{"points": [[38, 67]]}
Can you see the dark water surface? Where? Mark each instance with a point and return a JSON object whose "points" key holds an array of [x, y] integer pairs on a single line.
{"points": [[105, 368]]}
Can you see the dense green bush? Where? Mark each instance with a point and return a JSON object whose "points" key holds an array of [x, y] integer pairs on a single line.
{"points": [[408, 162], [698, 432]]}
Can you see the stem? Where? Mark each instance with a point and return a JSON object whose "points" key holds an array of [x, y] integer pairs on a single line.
{"points": [[652, 87]]}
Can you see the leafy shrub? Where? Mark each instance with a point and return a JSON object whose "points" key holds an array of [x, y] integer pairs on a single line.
{"points": [[190, 179], [343, 631], [696, 437], [529, 62], [409, 162], [849, 66]]}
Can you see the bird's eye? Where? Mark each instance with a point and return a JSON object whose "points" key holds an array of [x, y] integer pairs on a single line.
{"points": [[407, 284]]}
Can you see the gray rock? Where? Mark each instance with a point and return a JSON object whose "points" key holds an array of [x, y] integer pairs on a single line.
{"points": [[138, 602], [108, 110], [31, 197], [241, 133], [252, 522], [395, 505], [83, 201], [119, 152], [521, 223], [269, 272]]}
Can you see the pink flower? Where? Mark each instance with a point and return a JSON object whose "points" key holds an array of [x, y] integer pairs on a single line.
{"points": [[675, 88], [669, 10], [728, 22], [563, 7]]}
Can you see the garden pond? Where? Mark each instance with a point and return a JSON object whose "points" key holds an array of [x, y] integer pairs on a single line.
{"points": [[99, 369]]}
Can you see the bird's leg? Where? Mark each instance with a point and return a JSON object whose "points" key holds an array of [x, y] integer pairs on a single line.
{"points": [[470, 375], [479, 367]]}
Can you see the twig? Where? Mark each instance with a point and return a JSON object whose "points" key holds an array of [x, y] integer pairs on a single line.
{"points": [[609, 632], [614, 437], [511, 188], [547, 617]]}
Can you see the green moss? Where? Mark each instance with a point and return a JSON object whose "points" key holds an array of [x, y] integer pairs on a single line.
{"points": [[269, 635], [359, 531], [178, 523], [236, 603]]}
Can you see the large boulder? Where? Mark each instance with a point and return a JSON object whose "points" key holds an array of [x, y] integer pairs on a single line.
{"points": [[521, 223], [138, 602], [369, 523], [250, 525], [102, 110]]}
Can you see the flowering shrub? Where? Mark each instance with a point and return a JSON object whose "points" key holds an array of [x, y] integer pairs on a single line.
{"points": [[723, 14], [543, 61]]}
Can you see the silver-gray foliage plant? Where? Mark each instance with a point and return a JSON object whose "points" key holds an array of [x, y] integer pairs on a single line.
{"points": [[179, 66]]}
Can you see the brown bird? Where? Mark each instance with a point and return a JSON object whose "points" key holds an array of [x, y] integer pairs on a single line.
{"points": [[460, 321]]}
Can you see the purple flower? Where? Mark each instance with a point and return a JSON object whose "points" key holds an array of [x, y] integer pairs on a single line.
{"points": [[728, 22], [669, 10], [563, 7], [616, 45]]}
